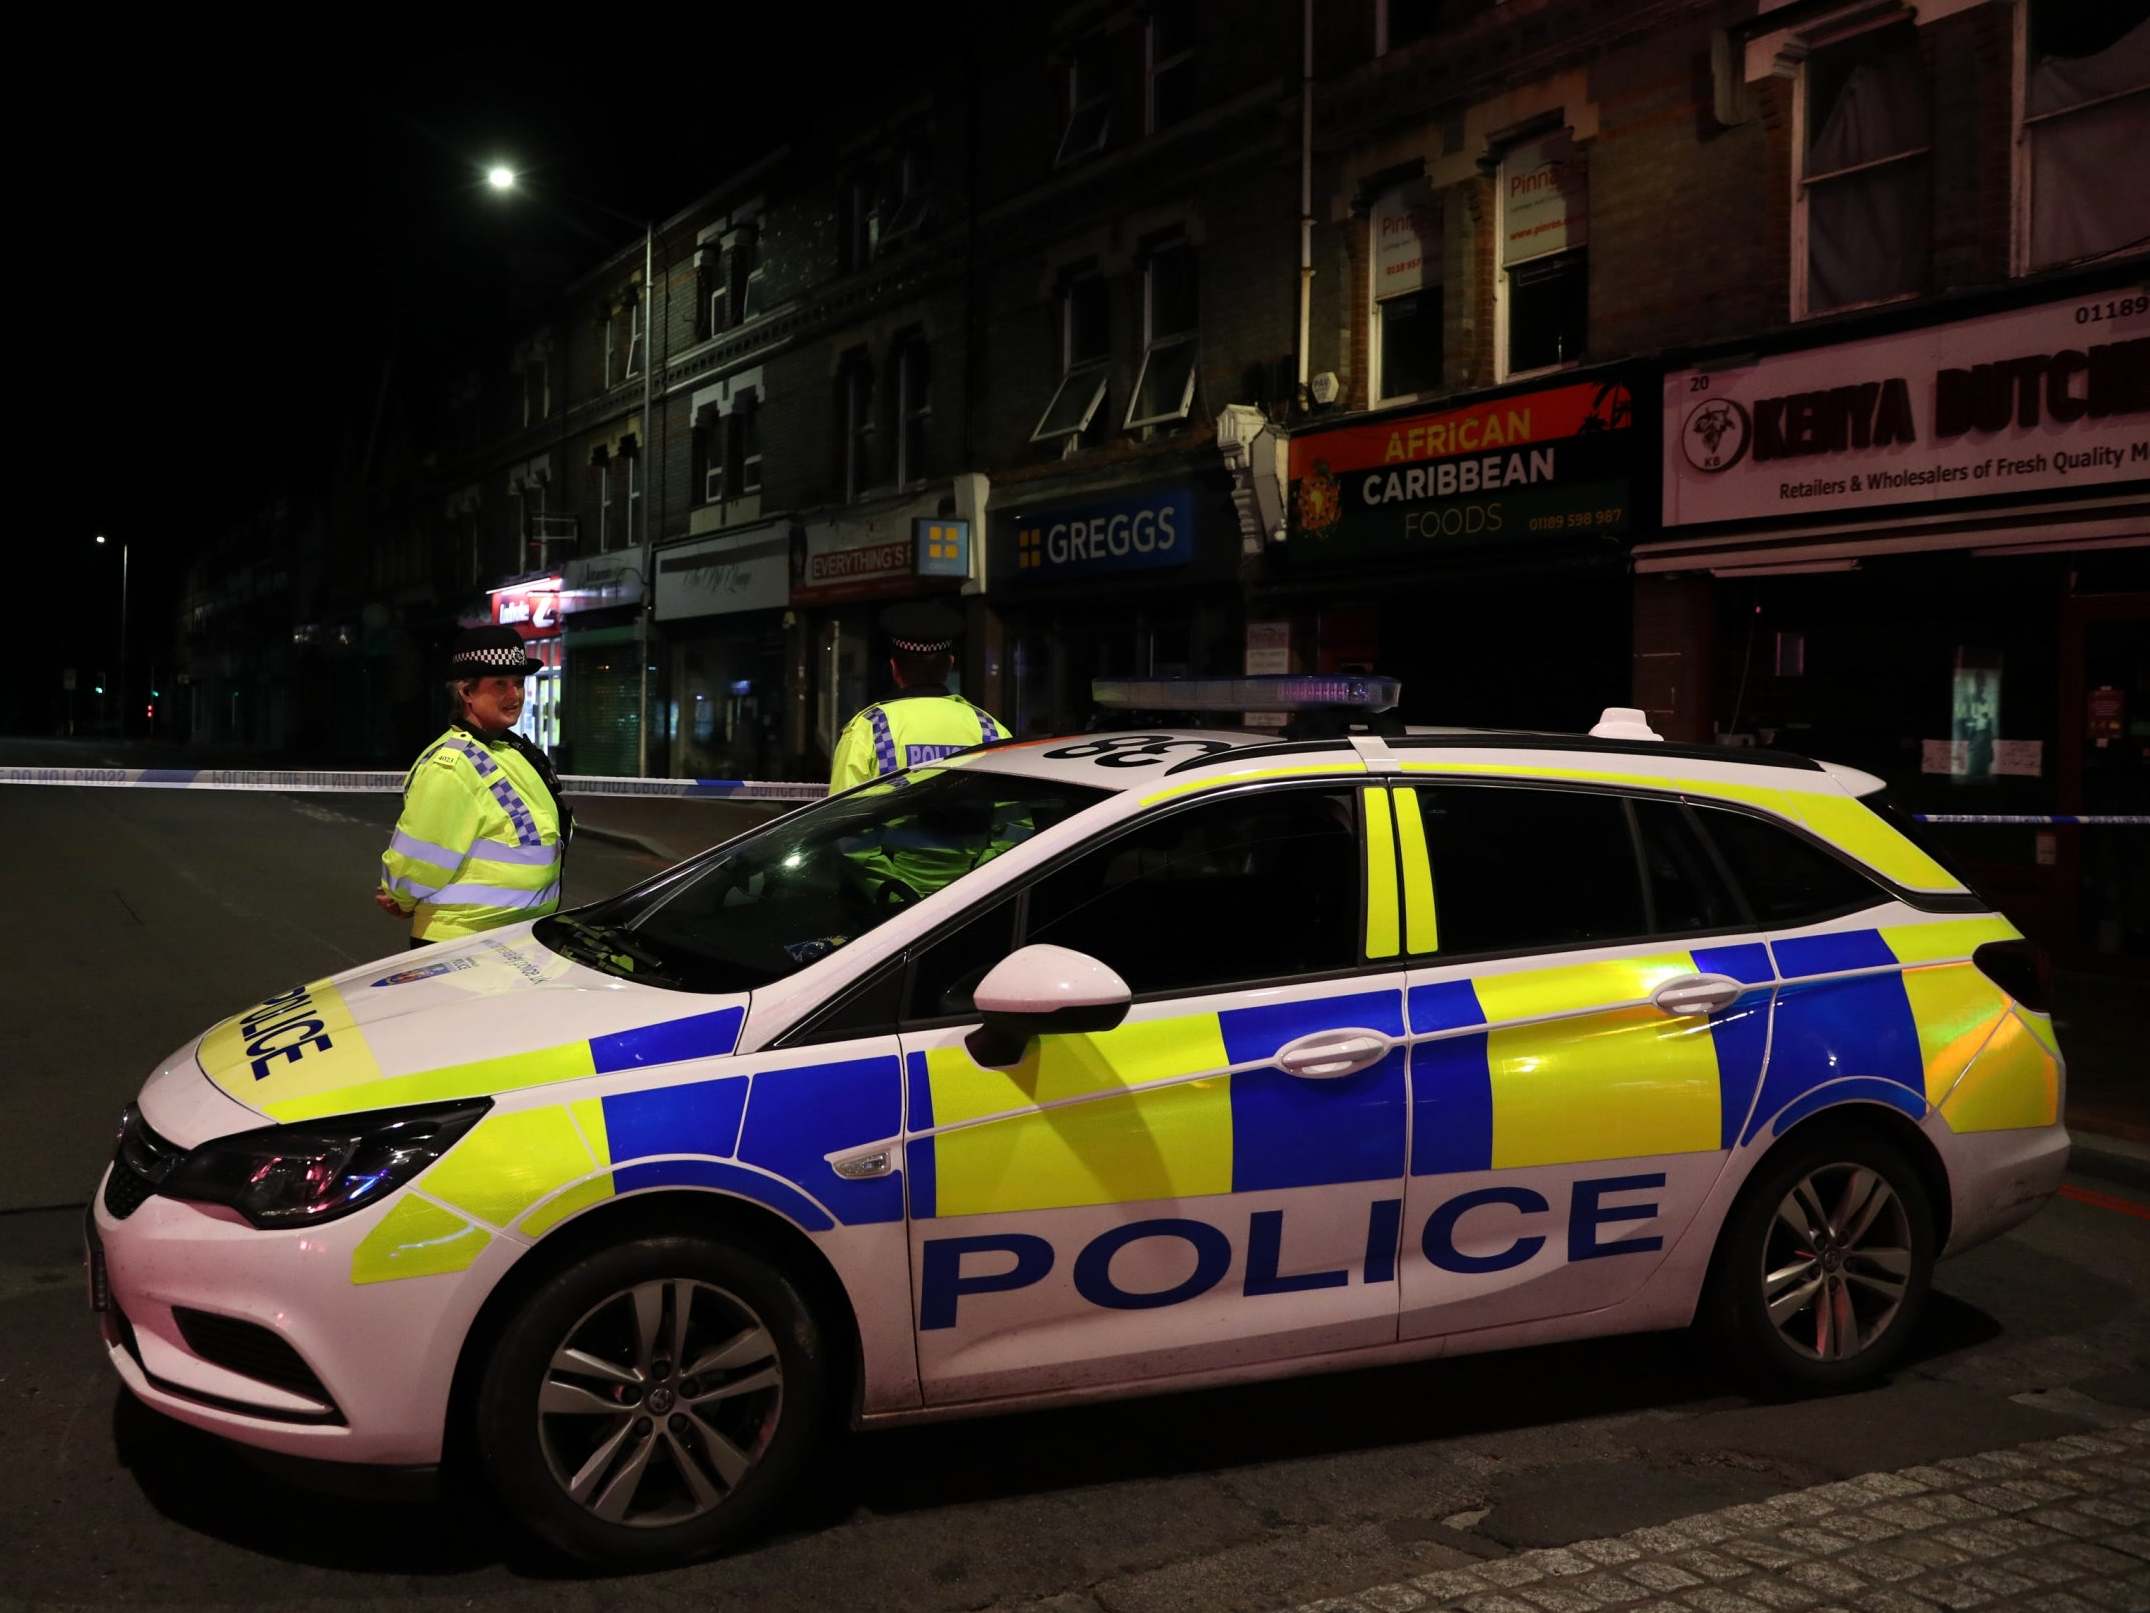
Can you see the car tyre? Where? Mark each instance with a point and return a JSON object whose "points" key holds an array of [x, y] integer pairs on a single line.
{"points": [[653, 1402], [1824, 1265]]}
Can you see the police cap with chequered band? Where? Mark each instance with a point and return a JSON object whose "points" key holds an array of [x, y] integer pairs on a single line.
{"points": [[921, 627], [486, 652]]}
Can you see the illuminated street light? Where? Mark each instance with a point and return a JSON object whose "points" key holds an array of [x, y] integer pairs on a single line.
{"points": [[499, 178]]}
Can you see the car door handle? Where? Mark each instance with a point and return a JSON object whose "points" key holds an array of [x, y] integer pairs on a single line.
{"points": [[1325, 1055], [1697, 994]]}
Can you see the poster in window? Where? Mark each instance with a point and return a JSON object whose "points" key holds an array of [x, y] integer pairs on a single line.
{"points": [[1545, 199], [1407, 240]]}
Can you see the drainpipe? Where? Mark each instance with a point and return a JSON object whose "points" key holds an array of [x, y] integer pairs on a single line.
{"points": [[1306, 191]]}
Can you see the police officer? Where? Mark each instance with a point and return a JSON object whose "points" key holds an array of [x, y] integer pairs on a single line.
{"points": [[920, 722], [483, 837]]}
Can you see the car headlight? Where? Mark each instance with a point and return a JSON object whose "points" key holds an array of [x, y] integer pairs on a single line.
{"points": [[287, 1176]]}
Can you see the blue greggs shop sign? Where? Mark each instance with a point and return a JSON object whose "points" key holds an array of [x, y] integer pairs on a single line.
{"points": [[1140, 531]]}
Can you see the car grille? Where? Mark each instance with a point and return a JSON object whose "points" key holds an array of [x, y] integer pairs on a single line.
{"points": [[140, 1163], [250, 1350]]}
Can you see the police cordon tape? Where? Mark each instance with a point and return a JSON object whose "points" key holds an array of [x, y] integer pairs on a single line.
{"points": [[246, 778], [363, 783]]}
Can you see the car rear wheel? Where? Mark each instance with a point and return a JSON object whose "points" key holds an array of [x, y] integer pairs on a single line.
{"points": [[651, 1403], [1825, 1264]]}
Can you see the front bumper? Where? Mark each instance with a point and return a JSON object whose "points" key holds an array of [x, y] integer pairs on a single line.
{"points": [[381, 1356]]}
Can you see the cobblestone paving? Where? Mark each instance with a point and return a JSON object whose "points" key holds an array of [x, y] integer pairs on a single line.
{"points": [[2062, 1526]]}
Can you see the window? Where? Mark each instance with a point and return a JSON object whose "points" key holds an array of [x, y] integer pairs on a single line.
{"points": [[742, 442], [1089, 92], [1085, 352], [1515, 869], [743, 273], [914, 409], [533, 378], [630, 452], [862, 219], [1545, 258], [603, 466], [1406, 231], [1865, 197], [1191, 901], [855, 392], [637, 311], [1788, 880], [2085, 97], [709, 445], [946, 974], [907, 215], [611, 326], [1685, 892], [1169, 44], [771, 903], [1164, 386]]}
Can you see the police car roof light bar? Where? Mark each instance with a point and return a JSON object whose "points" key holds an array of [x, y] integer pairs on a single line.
{"points": [[1291, 691]]}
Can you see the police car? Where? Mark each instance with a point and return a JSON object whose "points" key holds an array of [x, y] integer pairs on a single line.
{"points": [[1089, 1067]]}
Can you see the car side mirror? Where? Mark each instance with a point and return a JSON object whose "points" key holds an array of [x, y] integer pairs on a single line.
{"points": [[1042, 991]]}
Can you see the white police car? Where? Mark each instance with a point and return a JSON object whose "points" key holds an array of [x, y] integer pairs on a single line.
{"points": [[1079, 1068]]}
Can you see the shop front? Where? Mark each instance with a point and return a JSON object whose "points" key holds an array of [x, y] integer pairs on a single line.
{"points": [[1921, 549], [721, 603], [845, 570], [1477, 551], [600, 708], [1110, 581], [532, 607]]}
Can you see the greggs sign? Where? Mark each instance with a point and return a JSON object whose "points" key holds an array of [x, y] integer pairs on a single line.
{"points": [[1556, 461], [2056, 396]]}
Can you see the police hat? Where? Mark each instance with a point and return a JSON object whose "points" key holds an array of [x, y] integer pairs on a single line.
{"points": [[923, 627], [486, 652]]}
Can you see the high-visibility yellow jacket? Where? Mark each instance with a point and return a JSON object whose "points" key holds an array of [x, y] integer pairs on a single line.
{"points": [[908, 730], [480, 841]]}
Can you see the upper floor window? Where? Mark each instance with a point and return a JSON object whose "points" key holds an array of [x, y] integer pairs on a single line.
{"points": [[728, 449], [637, 331], [1545, 255], [1863, 214], [2085, 102], [862, 218], [1085, 360], [1164, 386], [855, 402], [743, 274], [914, 408], [533, 378], [1406, 231], [1168, 43], [1089, 100], [910, 186]]}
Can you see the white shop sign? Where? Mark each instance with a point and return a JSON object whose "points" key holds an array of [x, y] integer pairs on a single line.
{"points": [[748, 570], [2022, 402]]}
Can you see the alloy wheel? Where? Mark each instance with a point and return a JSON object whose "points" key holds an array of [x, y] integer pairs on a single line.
{"points": [[1836, 1262], [659, 1402]]}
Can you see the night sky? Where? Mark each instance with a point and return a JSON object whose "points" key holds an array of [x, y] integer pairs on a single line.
{"points": [[234, 253]]}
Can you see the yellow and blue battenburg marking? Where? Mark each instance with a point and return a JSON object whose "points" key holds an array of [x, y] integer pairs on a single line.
{"points": [[1146, 1112]]}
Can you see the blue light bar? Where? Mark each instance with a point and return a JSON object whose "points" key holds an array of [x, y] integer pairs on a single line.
{"points": [[1290, 691]]}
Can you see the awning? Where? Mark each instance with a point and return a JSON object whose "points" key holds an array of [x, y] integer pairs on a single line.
{"points": [[2029, 529]]}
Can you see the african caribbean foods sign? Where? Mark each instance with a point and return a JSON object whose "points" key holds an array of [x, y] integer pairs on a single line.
{"points": [[1532, 464], [2038, 400]]}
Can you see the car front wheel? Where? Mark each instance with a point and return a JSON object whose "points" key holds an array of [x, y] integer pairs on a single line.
{"points": [[651, 1403], [1825, 1264]]}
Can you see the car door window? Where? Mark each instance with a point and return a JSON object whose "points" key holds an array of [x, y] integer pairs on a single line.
{"points": [[1259, 887], [1787, 880], [1521, 868], [948, 968], [1687, 894]]}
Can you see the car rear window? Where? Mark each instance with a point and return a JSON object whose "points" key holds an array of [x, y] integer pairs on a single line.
{"points": [[1787, 878]]}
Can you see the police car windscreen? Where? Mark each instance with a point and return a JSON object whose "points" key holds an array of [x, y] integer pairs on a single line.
{"points": [[813, 881]]}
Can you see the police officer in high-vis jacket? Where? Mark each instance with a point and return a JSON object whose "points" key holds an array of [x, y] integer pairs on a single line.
{"points": [[921, 722], [483, 837]]}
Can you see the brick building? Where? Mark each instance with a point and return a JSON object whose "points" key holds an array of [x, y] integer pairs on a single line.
{"points": [[1026, 333]]}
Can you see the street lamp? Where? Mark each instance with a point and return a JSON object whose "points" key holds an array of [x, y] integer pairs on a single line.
{"points": [[503, 178], [122, 637]]}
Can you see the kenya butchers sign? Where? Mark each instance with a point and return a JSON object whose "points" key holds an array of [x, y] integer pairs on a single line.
{"points": [[2056, 396], [1531, 464]]}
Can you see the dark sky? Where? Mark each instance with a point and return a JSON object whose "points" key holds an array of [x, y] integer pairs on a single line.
{"points": [[232, 253]]}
